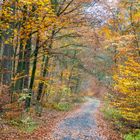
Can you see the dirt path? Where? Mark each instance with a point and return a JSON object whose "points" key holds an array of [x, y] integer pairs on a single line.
{"points": [[80, 124]]}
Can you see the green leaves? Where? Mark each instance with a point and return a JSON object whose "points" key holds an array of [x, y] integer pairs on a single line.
{"points": [[23, 97]]}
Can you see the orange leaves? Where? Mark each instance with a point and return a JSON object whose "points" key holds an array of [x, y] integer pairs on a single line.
{"points": [[106, 32], [38, 2], [136, 17], [127, 82]]}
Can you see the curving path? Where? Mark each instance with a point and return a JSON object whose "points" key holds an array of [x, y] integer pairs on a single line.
{"points": [[80, 124]]}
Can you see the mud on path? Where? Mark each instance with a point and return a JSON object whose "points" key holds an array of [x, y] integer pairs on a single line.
{"points": [[80, 124]]}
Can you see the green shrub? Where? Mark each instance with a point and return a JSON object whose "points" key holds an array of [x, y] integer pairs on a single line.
{"points": [[78, 100], [62, 106], [27, 124], [132, 136], [111, 113]]}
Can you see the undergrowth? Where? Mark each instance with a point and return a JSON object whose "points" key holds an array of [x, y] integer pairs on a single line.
{"points": [[113, 115], [63, 106], [26, 124], [132, 136]]}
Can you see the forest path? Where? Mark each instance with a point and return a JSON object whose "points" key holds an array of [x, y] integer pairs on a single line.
{"points": [[80, 124]]}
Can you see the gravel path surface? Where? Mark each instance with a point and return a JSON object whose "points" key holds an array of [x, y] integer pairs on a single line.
{"points": [[80, 124]]}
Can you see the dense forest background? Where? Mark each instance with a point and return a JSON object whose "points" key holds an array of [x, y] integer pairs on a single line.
{"points": [[51, 50]]}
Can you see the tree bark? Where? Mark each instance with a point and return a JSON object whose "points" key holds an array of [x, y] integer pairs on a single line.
{"points": [[34, 64]]}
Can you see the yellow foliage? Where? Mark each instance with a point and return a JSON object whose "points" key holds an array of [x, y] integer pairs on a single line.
{"points": [[127, 82], [126, 73]]}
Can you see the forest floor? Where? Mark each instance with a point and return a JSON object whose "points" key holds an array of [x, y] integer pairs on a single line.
{"points": [[85, 122]]}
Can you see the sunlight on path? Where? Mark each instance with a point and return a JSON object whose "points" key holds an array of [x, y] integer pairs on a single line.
{"points": [[80, 125]]}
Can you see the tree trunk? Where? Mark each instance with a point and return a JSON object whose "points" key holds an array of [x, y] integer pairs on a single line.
{"points": [[7, 58], [26, 65], [45, 72], [45, 68], [34, 64]]}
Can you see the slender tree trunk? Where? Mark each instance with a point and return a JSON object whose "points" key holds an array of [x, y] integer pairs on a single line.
{"points": [[23, 66], [7, 58], [19, 82], [0, 57], [77, 85], [72, 69], [45, 72], [45, 68], [34, 64], [27, 63], [22, 54]]}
